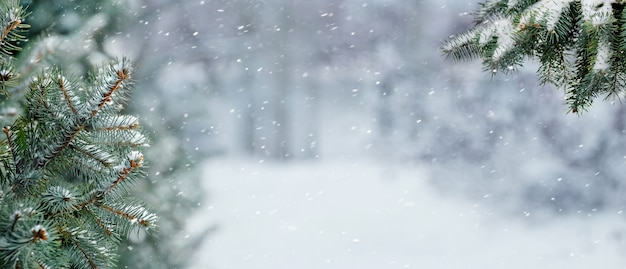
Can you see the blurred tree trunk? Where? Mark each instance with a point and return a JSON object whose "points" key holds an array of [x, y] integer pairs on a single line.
{"points": [[282, 45], [313, 116], [249, 114]]}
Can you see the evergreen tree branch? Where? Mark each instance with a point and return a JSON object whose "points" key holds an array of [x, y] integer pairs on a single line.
{"points": [[88, 252], [7, 30], [15, 218], [94, 153], [135, 161], [63, 201], [11, 24], [117, 123], [102, 224], [121, 77], [579, 44], [11, 146], [62, 82], [68, 137], [85, 253], [133, 218]]}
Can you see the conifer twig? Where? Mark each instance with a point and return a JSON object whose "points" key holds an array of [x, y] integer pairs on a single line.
{"points": [[128, 216], [579, 44], [66, 95], [122, 75], [89, 259], [10, 27], [64, 145], [133, 164], [58, 163], [7, 133]]}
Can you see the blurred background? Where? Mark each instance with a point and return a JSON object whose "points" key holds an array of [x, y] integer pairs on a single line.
{"points": [[334, 134]]}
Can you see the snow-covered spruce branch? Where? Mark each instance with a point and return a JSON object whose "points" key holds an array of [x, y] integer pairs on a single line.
{"points": [[106, 92], [579, 44], [12, 25], [67, 164]]}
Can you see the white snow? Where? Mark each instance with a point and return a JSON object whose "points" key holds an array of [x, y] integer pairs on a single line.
{"points": [[502, 28], [135, 156], [504, 31], [512, 3], [364, 214], [549, 10], [597, 12], [5, 73]]}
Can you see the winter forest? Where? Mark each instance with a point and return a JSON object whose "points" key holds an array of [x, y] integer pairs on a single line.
{"points": [[336, 134]]}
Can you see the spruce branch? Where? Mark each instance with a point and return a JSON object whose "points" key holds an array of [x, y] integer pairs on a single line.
{"points": [[579, 44], [117, 123], [84, 252], [114, 79], [135, 161], [62, 82], [103, 225], [59, 200], [67, 162], [7, 160], [134, 214], [12, 25], [94, 153], [7, 77]]}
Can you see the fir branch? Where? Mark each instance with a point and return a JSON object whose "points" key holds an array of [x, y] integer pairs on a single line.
{"points": [[579, 44], [11, 24], [85, 253], [7, 77], [6, 165], [121, 76], [93, 152], [116, 123], [30, 246], [59, 159], [58, 200], [101, 224], [517, 6], [88, 249], [7, 29], [141, 220], [85, 170], [135, 161], [68, 137], [131, 213], [122, 139], [489, 9], [11, 146], [119, 132], [17, 215], [62, 82]]}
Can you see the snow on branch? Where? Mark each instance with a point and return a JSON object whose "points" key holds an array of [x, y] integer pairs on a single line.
{"points": [[597, 12], [581, 39], [67, 162], [11, 24], [547, 11]]}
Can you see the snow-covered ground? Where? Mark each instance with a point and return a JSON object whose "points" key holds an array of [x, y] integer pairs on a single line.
{"points": [[365, 214]]}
